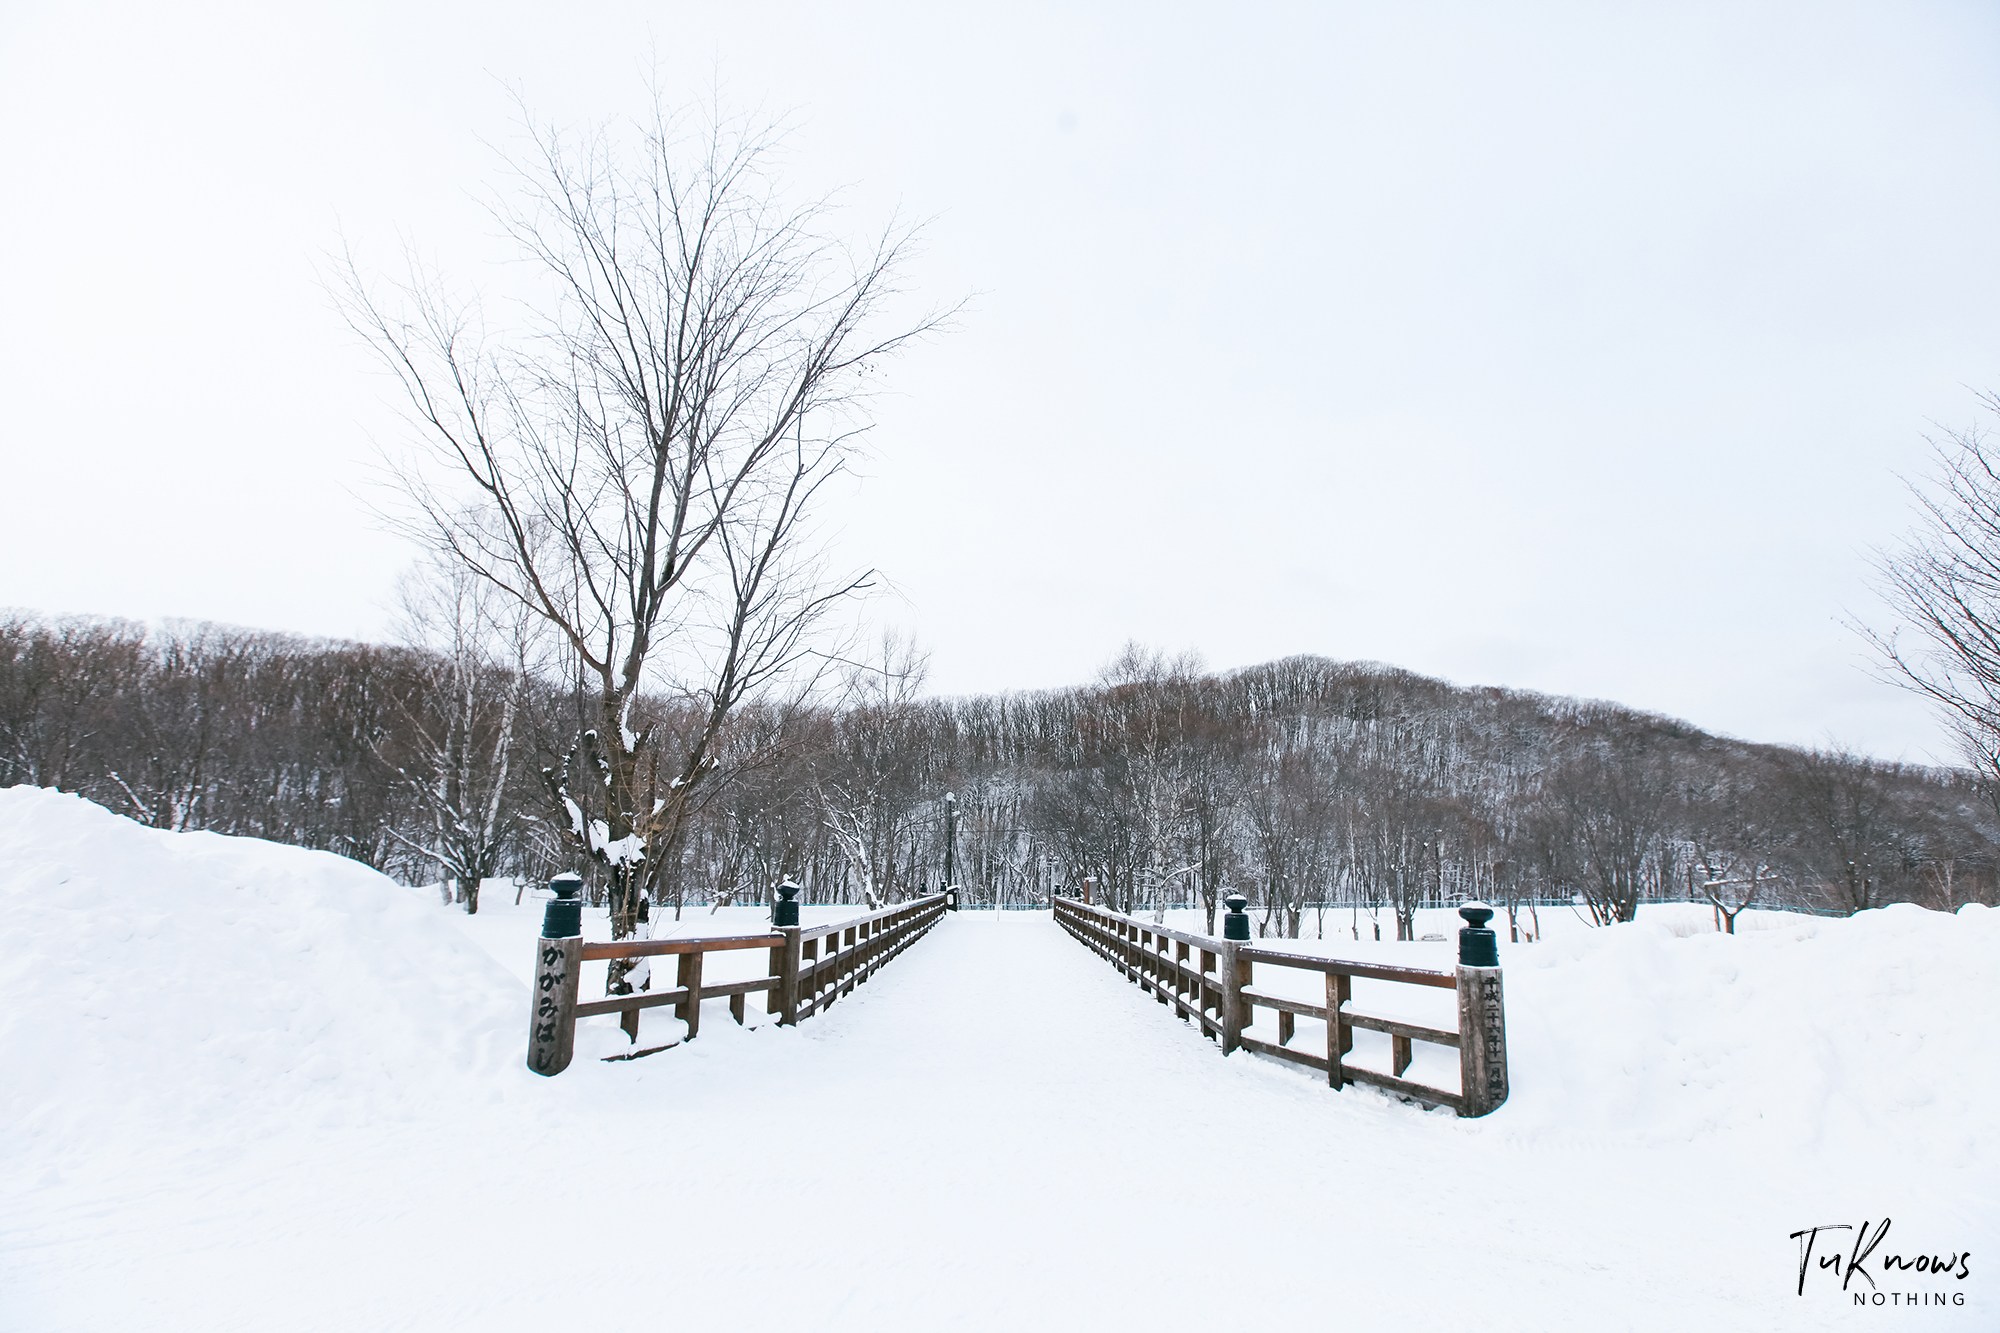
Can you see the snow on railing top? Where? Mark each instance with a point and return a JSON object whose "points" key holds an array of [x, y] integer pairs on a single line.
{"points": [[810, 967], [1212, 983]]}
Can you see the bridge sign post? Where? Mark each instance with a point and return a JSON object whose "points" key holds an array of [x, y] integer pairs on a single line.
{"points": [[1482, 1024], [558, 965]]}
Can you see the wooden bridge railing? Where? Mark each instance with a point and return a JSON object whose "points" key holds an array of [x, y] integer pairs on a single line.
{"points": [[1212, 983], [810, 968]]}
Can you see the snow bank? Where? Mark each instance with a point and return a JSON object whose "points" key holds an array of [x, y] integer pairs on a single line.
{"points": [[1809, 1031], [167, 983]]}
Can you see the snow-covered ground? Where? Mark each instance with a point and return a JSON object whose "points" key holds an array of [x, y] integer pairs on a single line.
{"points": [[249, 1086]]}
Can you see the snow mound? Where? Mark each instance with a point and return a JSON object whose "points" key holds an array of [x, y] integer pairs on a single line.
{"points": [[164, 983], [1816, 1033]]}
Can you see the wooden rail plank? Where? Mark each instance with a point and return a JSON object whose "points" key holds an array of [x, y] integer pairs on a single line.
{"points": [[1284, 1005], [618, 1004], [1415, 976], [1397, 1028], [1388, 1083], [613, 1004], [1420, 1091], [653, 948], [1263, 1047], [1111, 920]]}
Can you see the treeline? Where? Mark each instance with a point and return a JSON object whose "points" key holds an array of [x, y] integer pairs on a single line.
{"points": [[1300, 783]]}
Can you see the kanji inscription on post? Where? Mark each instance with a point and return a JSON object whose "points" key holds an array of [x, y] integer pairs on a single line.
{"points": [[1482, 1028]]}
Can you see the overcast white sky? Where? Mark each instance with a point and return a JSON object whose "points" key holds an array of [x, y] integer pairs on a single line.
{"points": [[1573, 348]]}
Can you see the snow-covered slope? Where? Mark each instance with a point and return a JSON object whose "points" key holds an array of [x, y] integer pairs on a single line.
{"points": [[165, 982]]}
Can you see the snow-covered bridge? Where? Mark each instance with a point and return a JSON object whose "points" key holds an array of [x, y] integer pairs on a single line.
{"points": [[1212, 984]]}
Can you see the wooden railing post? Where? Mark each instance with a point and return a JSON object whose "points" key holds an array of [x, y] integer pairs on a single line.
{"points": [[1339, 1036], [1202, 990], [1181, 985], [809, 990], [1482, 1018], [552, 1004], [689, 1010], [1235, 973], [1232, 999], [1482, 1041], [781, 1000], [558, 965]]}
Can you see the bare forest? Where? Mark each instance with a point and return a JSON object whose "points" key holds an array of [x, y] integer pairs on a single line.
{"points": [[1338, 797]]}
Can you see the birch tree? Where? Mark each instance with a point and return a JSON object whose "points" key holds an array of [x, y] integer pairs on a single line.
{"points": [[867, 786], [1145, 716], [455, 749]]}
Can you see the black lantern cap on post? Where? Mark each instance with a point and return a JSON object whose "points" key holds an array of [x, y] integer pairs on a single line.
{"points": [[563, 917], [785, 912], [1477, 946], [1236, 922]]}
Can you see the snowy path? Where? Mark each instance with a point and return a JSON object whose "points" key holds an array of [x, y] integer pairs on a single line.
{"points": [[997, 1132]]}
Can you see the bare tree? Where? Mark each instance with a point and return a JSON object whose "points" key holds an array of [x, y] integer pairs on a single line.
{"points": [[1146, 718], [1614, 811], [1289, 808], [866, 786], [637, 468], [1945, 583], [454, 751], [1848, 839], [1737, 840]]}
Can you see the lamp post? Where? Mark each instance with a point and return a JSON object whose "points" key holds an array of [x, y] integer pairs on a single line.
{"points": [[951, 849]]}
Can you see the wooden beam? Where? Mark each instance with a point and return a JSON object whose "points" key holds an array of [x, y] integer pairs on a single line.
{"points": [[1263, 1047], [1415, 976], [1401, 1030], [652, 999], [654, 948], [1284, 1005], [1404, 1087]]}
